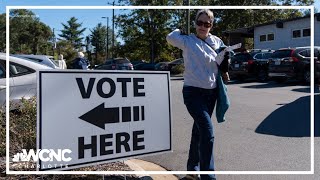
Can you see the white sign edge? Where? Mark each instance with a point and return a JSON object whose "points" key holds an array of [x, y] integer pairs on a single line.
{"points": [[74, 166]]}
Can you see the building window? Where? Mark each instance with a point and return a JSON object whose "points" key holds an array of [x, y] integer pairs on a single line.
{"points": [[263, 38], [267, 37], [306, 32], [296, 33], [270, 37]]}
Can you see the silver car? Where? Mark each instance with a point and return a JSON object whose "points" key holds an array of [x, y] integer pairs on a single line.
{"points": [[22, 78], [43, 59]]}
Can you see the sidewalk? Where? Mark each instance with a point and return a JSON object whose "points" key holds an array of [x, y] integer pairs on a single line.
{"points": [[128, 165], [140, 165]]}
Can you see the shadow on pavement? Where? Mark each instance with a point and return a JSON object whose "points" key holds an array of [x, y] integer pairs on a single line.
{"points": [[292, 120], [177, 79], [304, 90], [235, 82], [307, 89], [269, 84]]}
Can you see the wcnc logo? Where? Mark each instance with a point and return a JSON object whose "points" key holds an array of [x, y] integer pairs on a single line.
{"points": [[45, 155]]}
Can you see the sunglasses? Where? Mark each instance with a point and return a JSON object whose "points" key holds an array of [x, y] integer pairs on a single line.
{"points": [[205, 24]]}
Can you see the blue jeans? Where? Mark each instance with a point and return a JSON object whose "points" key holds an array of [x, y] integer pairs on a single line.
{"points": [[200, 104]]}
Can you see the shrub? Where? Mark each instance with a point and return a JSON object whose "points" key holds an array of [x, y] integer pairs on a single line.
{"points": [[2, 132], [179, 69], [22, 127]]}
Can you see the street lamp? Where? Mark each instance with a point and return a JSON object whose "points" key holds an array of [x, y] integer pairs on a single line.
{"points": [[107, 53]]}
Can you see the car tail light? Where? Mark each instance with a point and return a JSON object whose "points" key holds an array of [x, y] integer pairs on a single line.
{"points": [[250, 61], [131, 66], [293, 59]]}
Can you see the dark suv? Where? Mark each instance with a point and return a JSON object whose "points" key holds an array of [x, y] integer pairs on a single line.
{"points": [[293, 63], [250, 65], [116, 64]]}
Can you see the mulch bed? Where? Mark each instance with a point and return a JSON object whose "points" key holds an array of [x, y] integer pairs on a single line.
{"points": [[27, 166]]}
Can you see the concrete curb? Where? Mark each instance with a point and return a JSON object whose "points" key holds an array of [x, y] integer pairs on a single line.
{"points": [[140, 165]]}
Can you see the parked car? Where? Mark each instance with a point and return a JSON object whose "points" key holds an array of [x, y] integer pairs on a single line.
{"points": [[317, 69], [239, 67], [22, 78], [115, 64], [137, 62], [254, 51], [261, 65], [144, 66], [250, 65], [43, 59], [293, 63], [161, 66], [174, 63]]}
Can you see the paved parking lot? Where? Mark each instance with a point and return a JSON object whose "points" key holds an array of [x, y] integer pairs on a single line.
{"points": [[267, 129]]}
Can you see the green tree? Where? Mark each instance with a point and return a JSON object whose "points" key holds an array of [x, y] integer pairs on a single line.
{"points": [[40, 33], [144, 32], [2, 32], [72, 32], [27, 33], [233, 19], [19, 37], [98, 39]]}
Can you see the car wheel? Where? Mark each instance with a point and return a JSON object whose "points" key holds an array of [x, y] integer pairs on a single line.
{"points": [[306, 77], [241, 78], [280, 79], [262, 76]]}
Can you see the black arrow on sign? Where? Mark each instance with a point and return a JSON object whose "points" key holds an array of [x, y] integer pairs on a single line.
{"points": [[99, 116]]}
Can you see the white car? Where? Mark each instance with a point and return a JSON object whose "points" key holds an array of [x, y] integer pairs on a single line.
{"points": [[43, 59], [22, 79]]}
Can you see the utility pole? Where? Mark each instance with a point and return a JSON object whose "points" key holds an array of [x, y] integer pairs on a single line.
{"points": [[107, 48], [188, 17], [152, 35], [113, 31], [107, 38], [54, 42]]}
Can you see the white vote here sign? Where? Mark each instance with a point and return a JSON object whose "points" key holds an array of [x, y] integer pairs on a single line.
{"points": [[102, 115]]}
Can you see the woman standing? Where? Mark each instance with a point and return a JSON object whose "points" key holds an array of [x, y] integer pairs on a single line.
{"points": [[200, 88]]}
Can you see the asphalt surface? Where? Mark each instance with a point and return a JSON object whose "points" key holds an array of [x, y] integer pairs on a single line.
{"points": [[267, 129]]}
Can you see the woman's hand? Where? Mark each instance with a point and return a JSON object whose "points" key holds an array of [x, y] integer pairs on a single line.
{"points": [[182, 31]]}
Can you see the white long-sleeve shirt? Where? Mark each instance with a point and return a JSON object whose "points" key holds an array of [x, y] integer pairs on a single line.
{"points": [[200, 60]]}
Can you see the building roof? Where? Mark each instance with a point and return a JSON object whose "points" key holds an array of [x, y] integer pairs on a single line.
{"points": [[249, 31], [286, 20], [243, 32]]}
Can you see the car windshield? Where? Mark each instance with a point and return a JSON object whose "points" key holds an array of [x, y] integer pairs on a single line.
{"points": [[53, 61], [242, 56], [178, 61], [258, 56], [282, 53], [29, 59], [122, 61], [267, 55]]}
